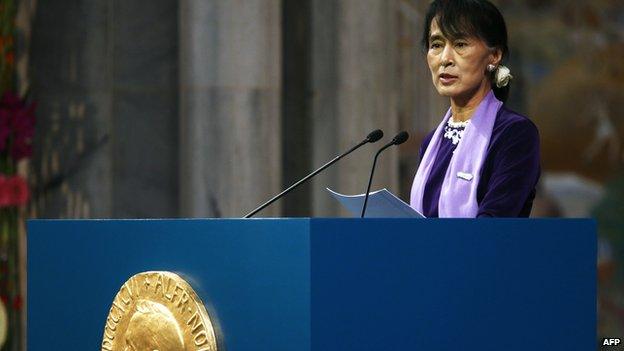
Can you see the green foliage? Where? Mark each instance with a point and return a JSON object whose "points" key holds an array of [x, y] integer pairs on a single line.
{"points": [[8, 10], [609, 214]]}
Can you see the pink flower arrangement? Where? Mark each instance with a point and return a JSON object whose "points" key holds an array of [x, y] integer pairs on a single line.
{"points": [[17, 126], [13, 191]]}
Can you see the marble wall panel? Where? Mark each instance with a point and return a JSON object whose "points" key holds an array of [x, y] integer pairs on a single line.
{"points": [[229, 106], [71, 82], [354, 93], [145, 155], [146, 45], [145, 109], [104, 74], [297, 106], [234, 163]]}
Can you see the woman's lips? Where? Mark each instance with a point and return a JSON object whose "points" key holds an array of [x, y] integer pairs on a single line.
{"points": [[447, 79]]}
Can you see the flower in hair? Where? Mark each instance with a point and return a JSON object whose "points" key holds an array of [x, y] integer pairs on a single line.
{"points": [[503, 76]]}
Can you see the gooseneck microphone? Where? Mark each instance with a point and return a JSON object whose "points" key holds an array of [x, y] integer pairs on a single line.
{"points": [[372, 137], [397, 140]]}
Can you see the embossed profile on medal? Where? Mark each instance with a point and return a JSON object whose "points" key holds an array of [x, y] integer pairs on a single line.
{"points": [[158, 311], [152, 327]]}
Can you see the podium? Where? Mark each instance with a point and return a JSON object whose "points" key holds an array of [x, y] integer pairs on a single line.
{"points": [[329, 284]]}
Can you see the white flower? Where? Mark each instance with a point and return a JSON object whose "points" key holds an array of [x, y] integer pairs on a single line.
{"points": [[503, 76]]}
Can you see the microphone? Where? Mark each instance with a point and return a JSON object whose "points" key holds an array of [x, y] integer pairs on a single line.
{"points": [[372, 137], [397, 140]]}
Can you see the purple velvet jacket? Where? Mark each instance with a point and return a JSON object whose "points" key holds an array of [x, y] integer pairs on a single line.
{"points": [[509, 174]]}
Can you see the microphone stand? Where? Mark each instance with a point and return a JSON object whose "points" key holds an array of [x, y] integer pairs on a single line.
{"points": [[369, 138], [397, 140], [370, 180]]}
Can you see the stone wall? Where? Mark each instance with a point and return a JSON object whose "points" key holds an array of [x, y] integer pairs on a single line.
{"points": [[207, 108]]}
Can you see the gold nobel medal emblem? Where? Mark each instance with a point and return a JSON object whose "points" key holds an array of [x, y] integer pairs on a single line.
{"points": [[158, 311]]}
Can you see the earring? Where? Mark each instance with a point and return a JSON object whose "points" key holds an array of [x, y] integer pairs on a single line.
{"points": [[491, 68]]}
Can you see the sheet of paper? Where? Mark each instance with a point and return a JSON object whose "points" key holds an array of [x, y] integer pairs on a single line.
{"points": [[381, 204]]}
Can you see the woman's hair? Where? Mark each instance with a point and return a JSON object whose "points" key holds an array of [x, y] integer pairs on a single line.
{"points": [[470, 18]]}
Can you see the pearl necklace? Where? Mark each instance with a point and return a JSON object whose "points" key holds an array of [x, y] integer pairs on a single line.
{"points": [[455, 130]]}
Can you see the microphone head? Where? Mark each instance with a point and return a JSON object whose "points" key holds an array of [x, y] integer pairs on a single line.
{"points": [[374, 135], [400, 138]]}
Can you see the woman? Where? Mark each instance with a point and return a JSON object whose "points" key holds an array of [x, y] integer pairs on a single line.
{"points": [[483, 159]]}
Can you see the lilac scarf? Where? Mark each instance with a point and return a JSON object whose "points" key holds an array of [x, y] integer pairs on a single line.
{"points": [[458, 196]]}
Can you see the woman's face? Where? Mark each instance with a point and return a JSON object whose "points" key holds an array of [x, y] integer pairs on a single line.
{"points": [[459, 67]]}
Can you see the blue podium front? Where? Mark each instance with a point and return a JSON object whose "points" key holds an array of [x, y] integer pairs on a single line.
{"points": [[329, 284]]}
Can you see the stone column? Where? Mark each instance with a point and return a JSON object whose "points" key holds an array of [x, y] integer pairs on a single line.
{"points": [[72, 82], [145, 108], [105, 80], [229, 106], [354, 92]]}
